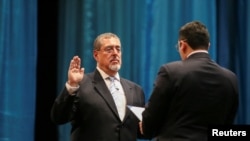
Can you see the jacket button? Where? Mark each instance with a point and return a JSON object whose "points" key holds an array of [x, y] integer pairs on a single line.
{"points": [[117, 129]]}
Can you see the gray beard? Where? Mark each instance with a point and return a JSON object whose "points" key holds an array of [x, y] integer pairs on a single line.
{"points": [[115, 67]]}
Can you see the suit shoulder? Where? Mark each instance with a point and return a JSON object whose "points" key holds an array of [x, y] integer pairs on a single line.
{"points": [[131, 83], [174, 66], [88, 78], [229, 73], [91, 74]]}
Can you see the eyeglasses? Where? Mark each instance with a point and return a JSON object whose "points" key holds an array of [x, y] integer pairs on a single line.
{"points": [[177, 46], [112, 49]]}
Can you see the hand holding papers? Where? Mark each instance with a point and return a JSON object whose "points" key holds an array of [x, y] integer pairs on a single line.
{"points": [[137, 111]]}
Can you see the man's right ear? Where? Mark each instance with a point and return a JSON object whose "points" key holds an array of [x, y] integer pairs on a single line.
{"points": [[183, 46], [95, 54]]}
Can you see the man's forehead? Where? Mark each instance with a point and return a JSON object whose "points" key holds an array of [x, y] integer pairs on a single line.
{"points": [[111, 42]]}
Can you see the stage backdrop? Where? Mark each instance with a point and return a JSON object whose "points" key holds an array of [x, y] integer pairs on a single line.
{"points": [[18, 50], [149, 30]]}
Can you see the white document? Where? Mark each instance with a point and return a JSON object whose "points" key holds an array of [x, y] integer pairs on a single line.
{"points": [[137, 111]]}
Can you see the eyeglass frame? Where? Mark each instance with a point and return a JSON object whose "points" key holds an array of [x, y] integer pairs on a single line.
{"points": [[110, 49], [177, 46]]}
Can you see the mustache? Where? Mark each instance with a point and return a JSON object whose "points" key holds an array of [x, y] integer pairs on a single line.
{"points": [[116, 58]]}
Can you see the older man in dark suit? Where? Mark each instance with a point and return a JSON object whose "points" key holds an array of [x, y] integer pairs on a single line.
{"points": [[95, 112]]}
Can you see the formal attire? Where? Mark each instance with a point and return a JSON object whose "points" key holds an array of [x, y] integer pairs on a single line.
{"points": [[188, 97], [93, 113]]}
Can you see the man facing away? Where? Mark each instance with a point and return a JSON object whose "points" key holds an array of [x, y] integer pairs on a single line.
{"points": [[192, 94]]}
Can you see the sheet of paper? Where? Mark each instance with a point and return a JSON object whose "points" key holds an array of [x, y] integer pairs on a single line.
{"points": [[137, 111]]}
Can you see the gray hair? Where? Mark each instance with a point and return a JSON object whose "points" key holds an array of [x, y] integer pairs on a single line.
{"points": [[98, 41]]}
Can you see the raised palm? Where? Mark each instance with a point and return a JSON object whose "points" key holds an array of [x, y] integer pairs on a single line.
{"points": [[75, 72]]}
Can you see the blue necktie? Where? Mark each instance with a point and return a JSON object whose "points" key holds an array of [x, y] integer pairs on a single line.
{"points": [[118, 97]]}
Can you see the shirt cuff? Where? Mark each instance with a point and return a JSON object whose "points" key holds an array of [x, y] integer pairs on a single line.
{"points": [[71, 89]]}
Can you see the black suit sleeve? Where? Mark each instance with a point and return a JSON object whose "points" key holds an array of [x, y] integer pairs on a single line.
{"points": [[157, 106], [64, 107]]}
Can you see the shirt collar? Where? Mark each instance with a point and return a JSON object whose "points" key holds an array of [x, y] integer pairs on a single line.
{"points": [[197, 51], [105, 76]]}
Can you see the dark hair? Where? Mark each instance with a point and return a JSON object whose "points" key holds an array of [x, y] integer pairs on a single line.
{"points": [[195, 34]]}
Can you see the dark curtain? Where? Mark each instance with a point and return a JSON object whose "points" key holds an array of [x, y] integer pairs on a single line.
{"points": [[18, 56], [38, 38], [148, 30], [233, 50], [46, 82]]}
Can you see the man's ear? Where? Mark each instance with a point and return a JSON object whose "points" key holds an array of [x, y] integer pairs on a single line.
{"points": [[95, 54], [185, 50], [183, 46]]}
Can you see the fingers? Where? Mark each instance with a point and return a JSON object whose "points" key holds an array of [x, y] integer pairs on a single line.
{"points": [[82, 70], [75, 63], [140, 126]]}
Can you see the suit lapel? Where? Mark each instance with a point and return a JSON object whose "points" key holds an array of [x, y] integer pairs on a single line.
{"points": [[127, 91], [102, 89], [128, 94]]}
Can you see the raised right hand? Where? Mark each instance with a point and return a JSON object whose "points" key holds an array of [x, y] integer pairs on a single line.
{"points": [[75, 72]]}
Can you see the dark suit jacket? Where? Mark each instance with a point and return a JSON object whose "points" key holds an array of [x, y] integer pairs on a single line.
{"points": [[93, 113], [188, 97]]}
